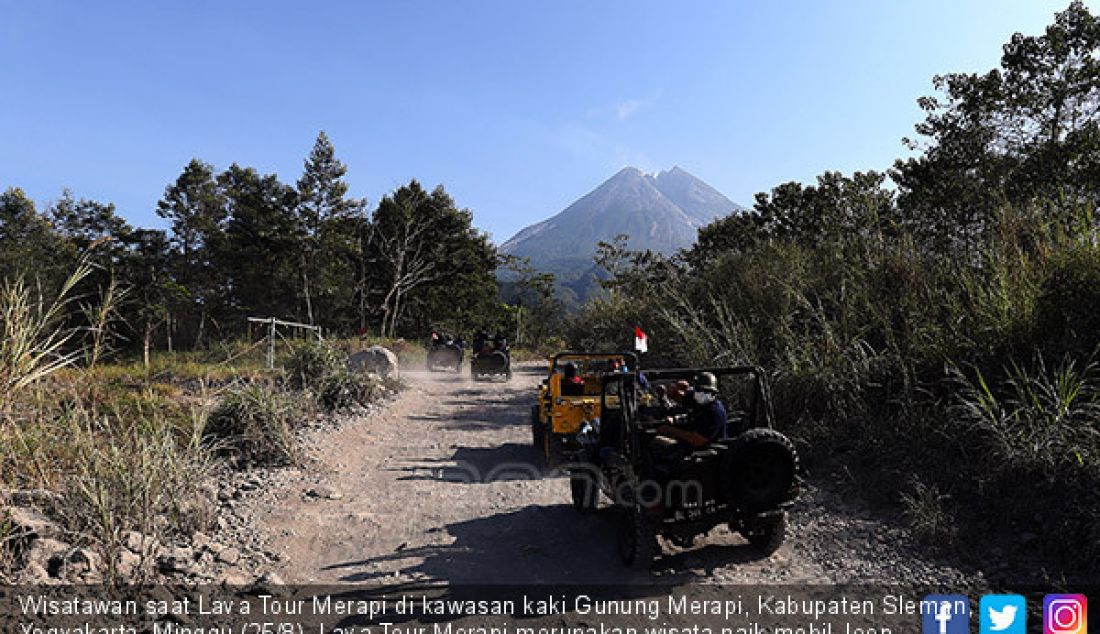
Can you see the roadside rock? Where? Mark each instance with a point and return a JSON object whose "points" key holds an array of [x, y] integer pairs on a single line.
{"points": [[200, 540], [269, 582], [138, 543], [28, 524], [34, 574], [176, 560], [75, 562], [234, 578], [42, 551], [228, 555], [324, 492], [129, 563], [375, 359]]}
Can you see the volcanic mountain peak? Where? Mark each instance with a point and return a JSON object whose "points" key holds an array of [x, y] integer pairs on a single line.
{"points": [[661, 212]]}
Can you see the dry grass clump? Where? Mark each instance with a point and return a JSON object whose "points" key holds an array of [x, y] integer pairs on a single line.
{"points": [[253, 425]]}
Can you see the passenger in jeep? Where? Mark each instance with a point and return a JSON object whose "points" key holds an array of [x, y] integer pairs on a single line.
{"points": [[699, 420], [571, 383]]}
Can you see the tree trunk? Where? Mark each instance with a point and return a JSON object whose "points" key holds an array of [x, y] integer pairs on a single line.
{"points": [[202, 328], [146, 343], [396, 314], [168, 330], [309, 301]]}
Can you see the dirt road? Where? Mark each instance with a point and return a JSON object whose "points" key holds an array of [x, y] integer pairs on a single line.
{"points": [[440, 486]]}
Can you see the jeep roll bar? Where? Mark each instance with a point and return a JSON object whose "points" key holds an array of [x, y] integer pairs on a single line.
{"points": [[632, 365], [761, 395]]}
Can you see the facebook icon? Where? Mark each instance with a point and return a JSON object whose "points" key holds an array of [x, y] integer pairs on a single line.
{"points": [[945, 614]]}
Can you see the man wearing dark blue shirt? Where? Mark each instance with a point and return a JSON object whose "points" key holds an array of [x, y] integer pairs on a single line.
{"points": [[706, 416]]}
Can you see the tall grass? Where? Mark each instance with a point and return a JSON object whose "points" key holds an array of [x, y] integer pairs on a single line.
{"points": [[33, 342], [1039, 419], [120, 459]]}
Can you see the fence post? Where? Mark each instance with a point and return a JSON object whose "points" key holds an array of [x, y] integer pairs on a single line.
{"points": [[271, 345]]}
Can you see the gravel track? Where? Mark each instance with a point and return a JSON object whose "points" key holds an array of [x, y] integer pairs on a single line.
{"points": [[440, 486]]}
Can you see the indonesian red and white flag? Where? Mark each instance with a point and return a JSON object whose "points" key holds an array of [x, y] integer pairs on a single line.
{"points": [[641, 344]]}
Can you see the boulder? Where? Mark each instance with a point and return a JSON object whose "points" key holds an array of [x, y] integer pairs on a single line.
{"points": [[200, 540], [43, 551], [74, 562], [136, 542], [270, 583], [229, 556], [129, 563], [27, 524], [234, 578], [181, 559], [375, 359], [33, 574]]}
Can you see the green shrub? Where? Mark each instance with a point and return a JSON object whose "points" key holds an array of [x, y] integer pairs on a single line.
{"points": [[344, 389], [1069, 303], [254, 425], [116, 467], [1042, 420], [139, 477], [310, 363]]}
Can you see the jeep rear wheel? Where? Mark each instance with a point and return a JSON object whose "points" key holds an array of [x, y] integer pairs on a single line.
{"points": [[537, 429], [637, 539], [759, 470]]}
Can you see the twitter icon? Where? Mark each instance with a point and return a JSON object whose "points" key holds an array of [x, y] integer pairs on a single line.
{"points": [[1003, 614]]}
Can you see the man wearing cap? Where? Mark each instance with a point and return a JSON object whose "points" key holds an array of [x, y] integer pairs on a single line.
{"points": [[705, 414]]}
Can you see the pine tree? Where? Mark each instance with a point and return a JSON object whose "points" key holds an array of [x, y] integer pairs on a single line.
{"points": [[329, 266]]}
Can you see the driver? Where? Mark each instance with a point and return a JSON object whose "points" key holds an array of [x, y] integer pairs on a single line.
{"points": [[571, 383]]}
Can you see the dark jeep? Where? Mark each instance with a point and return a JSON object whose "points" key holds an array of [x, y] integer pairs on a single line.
{"points": [[746, 480], [492, 359], [445, 354]]}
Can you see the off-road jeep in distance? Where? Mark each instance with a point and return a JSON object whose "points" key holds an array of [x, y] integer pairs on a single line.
{"points": [[445, 352], [491, 360], [569, 396], [746, 480]]}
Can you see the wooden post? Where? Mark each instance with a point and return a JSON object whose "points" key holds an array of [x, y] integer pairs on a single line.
{"points": [[271, 345]]}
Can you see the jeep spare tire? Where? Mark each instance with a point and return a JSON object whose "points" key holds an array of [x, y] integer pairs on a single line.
{"points": [[497, 363], [759, 470]]}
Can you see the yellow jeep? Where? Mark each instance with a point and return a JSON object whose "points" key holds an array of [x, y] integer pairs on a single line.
{"points": [[570, 395]]}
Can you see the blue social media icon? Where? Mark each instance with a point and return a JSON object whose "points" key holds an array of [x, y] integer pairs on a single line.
{"points": [[1002, 614], [945, 614]]}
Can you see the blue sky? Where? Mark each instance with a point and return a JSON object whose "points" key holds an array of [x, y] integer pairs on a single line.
{"points": [[517, 107]]}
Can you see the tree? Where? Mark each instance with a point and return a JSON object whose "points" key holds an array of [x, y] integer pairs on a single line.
{"points": [[1025, 132], [197, 211], [834, 210], [28, 244], [426, 259], [261, 248], [152, 290], [614, 259], [532, 290], [330, 270], [89, 224]]}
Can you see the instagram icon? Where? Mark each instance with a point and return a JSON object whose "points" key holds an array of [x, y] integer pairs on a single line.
{"points": [[1065, 614]]}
